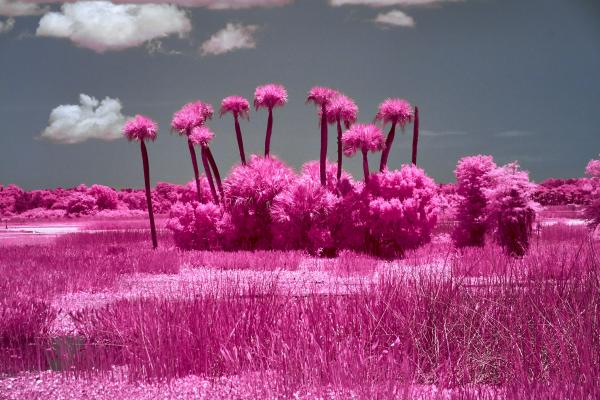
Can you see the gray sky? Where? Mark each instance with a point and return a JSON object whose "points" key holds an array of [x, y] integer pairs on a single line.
{"points": [[518, 79]]}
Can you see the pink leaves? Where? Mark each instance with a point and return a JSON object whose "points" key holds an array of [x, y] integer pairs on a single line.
{"points": [[342, 108], [236, 105], [140, 128], [395, 111], [362, 137], [201, 135], [320, 95], [190, 116], [270, 96]]}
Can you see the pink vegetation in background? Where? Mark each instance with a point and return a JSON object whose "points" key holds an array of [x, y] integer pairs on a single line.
{"points": [[592, 211], [341, 109], [140, 128], [473, 178], [402, 210], [363, 138], [393, 111], [269, 96], [195, 225]]}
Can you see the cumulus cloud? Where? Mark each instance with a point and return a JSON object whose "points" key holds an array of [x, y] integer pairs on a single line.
{"points": [[6, 26], [11, 8], [102, 25], [211, 4], [395, 18], [91, 119], [232, 37], [387, 3]]}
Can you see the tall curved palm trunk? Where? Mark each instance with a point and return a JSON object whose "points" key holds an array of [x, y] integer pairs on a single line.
{"points": [[339, 150], [415, 143], [323, 158], [240, 140], [215, 170], [206, 164], [269, 132], [388, 146], [196, 172], [148, 193]]}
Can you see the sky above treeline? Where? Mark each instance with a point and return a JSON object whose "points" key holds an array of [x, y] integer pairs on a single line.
{"points": [[517, 79]]}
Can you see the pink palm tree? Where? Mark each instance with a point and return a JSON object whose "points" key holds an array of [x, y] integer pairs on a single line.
{"points": [[142, 128], [415, 143], [395, 111], [269, 96], [321, 97], [202, 135], [239, 107], [341, 109], [366, 138], [190, 116]]}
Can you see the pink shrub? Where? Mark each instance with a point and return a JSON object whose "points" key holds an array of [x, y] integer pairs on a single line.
{"points": [[134, 199], [106, 197], [593, 168], [401, 210], [510, 209], [80, 204], [592, 211], [342, 186], [249, 192], [301, 215], [195, 225], [473, 177], [9, 196]]}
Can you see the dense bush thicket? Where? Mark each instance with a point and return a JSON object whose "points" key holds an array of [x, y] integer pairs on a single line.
{"points": [[592, 210]]}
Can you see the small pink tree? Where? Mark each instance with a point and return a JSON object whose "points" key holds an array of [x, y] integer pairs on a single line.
{"points": [[106, 197], [510, 209], [195, 226], [202, 135], [363, 138], [239, 107], [190, 116], [321, 97], [341, 109], [473, 177], [269, 96], [142, 128], [394, 111]]}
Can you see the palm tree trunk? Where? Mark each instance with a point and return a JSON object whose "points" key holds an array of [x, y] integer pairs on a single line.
{"points": [[240, 141], [365, 166], [388, 146], [215, 170], [269, 131], [196, 172], [339, 145], [206, 164], [415, 143], [323, 158], [148, 194]]}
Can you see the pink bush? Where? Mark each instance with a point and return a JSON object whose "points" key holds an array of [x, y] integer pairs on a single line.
{"points": [[401, 210], [510, 209], [106, 197], [473, 177], [592, 210], [80, 204], [249, 193], [593, 169], [9, 196], [301, 214], [195, 225]]}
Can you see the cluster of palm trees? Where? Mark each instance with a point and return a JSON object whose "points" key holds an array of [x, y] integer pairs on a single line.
{"points": [[333, 108]]}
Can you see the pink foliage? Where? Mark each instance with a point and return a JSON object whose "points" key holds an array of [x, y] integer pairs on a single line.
{"points": [[236, 105], [320, 95], [201, 135], [345, 184], [195, 225], [592, 210], [80, 203], [302, 212], [9, 196], [395, 111], [140, 128], [401, 210], [510, 209], [106, 197], [473, 177], [593, 168], [342, 108], [270, 96], [191, 115], [362, 137], [249, 192]]}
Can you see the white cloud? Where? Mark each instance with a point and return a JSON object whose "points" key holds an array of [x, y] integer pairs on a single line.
{"points": [[102, 26], [211, 4], [232, 37], [6, 26], [395, 18], [387, 3], [11, 8], [91, 119]]}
